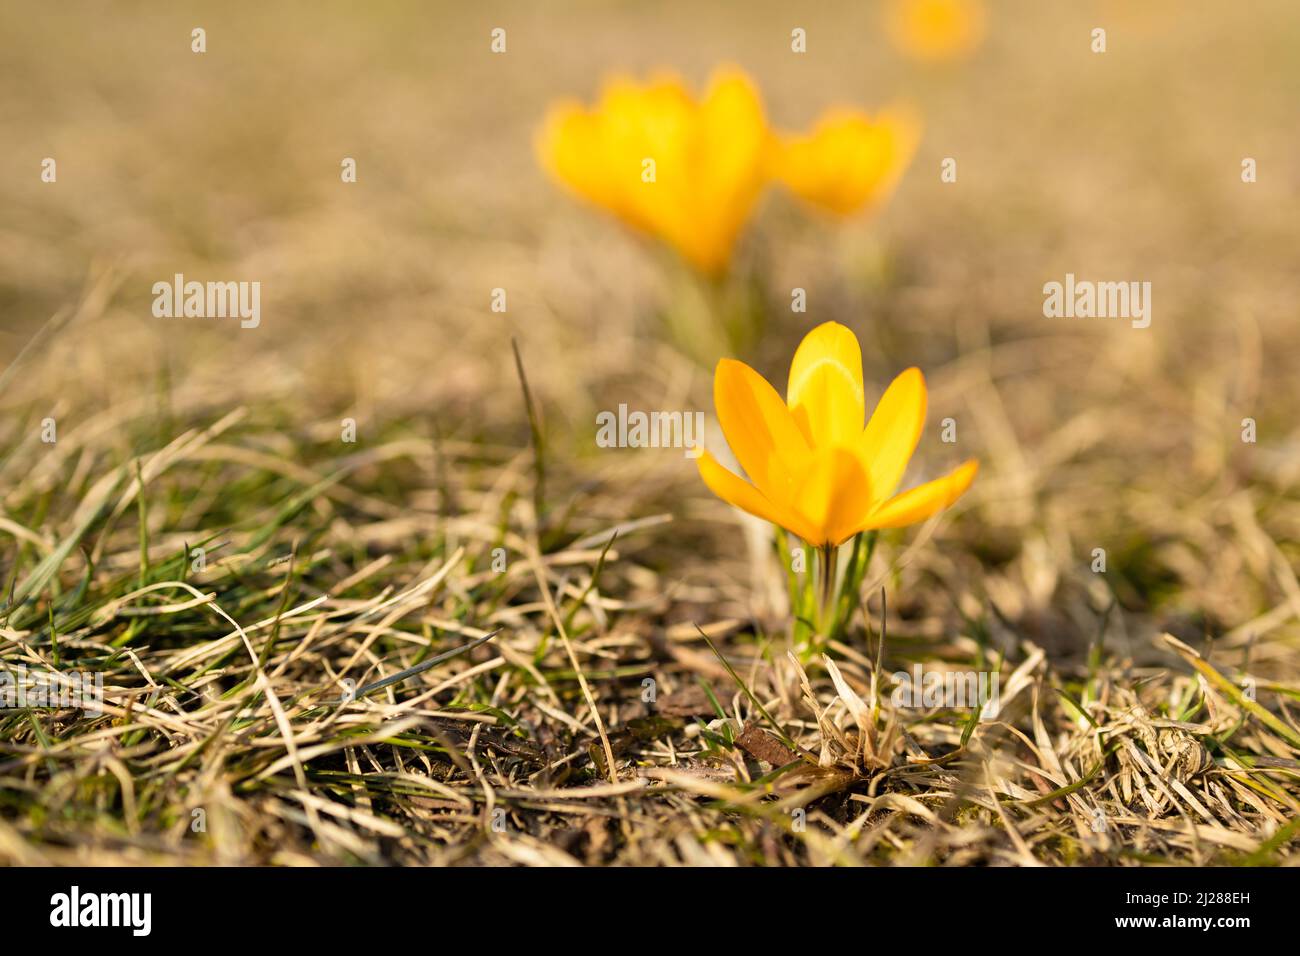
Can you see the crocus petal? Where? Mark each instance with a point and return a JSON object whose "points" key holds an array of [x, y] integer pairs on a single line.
{"points": [[825, 390], [935, 30], [684, 170], [727, 165], [639, 122], [924, 500], [834, 495], [736, 491], [893, 431], [570, 147], [734, 133], [759, 428], [850, 161]]}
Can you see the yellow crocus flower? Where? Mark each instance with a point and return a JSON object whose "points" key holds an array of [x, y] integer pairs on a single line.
{"points": [[684, 170], [849, 161], [935, 30], [815, 470]]}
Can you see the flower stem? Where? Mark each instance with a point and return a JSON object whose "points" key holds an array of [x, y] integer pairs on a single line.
{"points": [[826, 597]]}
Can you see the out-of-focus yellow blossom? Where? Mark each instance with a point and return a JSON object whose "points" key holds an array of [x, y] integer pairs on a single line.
{"points": [[935, 30], [849, 161], [683, 169], [815, 470]]}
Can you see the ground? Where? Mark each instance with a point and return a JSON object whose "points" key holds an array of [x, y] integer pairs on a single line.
{"points": [[202, 532]]}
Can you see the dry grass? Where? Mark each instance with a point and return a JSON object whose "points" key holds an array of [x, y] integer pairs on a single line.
{"points": [[329, 561]]}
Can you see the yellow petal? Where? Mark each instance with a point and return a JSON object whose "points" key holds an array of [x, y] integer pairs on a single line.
{"points": [[850, 161], [893, 431], [935, 30], [760, 429], [708, 159], [736, 491], [834, 496], [567, 147], [825, 390], [725, 160], [733, 132], [925, 500], [639, 122], [596, 154]]}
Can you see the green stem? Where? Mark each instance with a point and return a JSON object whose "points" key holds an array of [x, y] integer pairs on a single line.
{"points": [[826, 605]]}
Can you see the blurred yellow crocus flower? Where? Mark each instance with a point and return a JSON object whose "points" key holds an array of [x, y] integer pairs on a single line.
{"points": [[849, 161], [935, 30], [685, 170], [813, 468]]}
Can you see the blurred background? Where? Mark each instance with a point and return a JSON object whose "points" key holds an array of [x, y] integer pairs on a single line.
{"points": [[376, 295]]}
